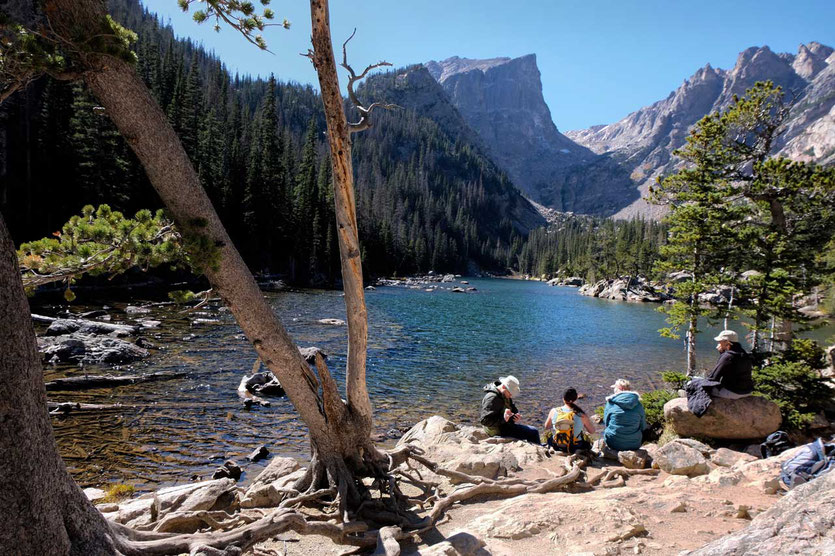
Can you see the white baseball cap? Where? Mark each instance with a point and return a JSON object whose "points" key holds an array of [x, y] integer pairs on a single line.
{"points": [[511, 383], [727, 335]]}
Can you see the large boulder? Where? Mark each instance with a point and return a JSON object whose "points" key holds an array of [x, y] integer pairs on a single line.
{"points": [[677, 458], [469, 450], [802, 522], [750, 417]]}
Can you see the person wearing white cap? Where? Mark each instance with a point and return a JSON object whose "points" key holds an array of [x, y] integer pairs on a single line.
{"points": [[499, 415], [733, 369]]}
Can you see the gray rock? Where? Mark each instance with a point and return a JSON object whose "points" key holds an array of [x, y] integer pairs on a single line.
{"points": [[728, 458], [745, 418], [802, 522], [678, 459], [230, 470], [89, 349], [634, 459], [258, 453], [309, 353], [703, 448], [60, 327], [332, 322], [467, 449], [277, 468]]}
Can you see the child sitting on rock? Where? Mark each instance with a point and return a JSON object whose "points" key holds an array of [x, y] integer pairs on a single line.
{"points": [[567, 423]]}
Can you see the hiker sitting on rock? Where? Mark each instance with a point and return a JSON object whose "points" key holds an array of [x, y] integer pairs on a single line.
{"points": [[567, 423], [499, 415], [624, 418], [733, 370]]}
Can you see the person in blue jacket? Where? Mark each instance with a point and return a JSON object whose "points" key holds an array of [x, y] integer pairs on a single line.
{"points": [[624, 418]]}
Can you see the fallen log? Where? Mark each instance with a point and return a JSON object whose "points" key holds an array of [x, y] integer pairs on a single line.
{"points": [[60, 326], [65, 408], [103, 381]]}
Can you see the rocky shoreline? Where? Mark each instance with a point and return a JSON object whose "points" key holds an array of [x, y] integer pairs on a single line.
{"points": [[682, 496]]}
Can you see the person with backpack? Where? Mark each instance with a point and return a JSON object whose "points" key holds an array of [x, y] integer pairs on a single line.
{"points": [[624, 418], [499, 415], [733, 369], [567, 424]]}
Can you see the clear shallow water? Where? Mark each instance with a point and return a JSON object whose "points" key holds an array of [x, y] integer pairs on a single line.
{"points": [[429, 353]]}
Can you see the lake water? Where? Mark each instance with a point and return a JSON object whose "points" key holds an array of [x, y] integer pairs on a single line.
{"points": [[429, 353]]}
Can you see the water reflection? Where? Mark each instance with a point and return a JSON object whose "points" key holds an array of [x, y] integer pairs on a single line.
{"points": [[429, 353]]}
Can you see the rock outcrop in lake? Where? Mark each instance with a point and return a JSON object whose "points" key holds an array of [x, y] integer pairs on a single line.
{"points": [[629, 289]]}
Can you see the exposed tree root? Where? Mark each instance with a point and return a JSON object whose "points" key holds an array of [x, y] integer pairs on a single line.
{"points": [[606, 476], [350, 514]]}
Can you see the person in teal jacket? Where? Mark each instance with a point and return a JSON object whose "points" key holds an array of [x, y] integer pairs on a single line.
{"points": [[624, 418]]}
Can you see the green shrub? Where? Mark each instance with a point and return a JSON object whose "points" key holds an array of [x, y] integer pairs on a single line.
{"points": [[675, 379], [117, 492], [796, 387], [599, 411], [653, 403], [667, 435]]}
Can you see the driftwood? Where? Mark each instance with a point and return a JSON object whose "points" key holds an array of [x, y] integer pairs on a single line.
{"points": [[65, 408], [104, 381], [69, 325]]}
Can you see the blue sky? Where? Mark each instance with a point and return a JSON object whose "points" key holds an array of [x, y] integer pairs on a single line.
{"points": [[599, 59]]}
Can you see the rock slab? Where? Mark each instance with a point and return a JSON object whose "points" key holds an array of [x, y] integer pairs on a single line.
{"points": [[802, 522], [751, 417]]}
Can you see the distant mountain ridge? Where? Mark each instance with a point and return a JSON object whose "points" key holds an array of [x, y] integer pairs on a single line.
{"points": [[607, 169], [643, 141]]}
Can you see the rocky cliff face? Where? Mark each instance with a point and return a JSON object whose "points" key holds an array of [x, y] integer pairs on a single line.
{"points": [[501, 100], [643, 142]]}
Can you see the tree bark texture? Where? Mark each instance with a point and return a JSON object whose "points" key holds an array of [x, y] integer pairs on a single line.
{"points": [[44, 510], [339, 434], [339, 139]]}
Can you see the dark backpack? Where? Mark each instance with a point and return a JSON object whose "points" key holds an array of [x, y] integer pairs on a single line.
{"points": [[776, 443], [812, 460]]}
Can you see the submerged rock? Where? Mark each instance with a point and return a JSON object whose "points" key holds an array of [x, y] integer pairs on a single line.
{"points": [[258, 454], [230, 470], [750, 417], [88, 349], [309, 353]]}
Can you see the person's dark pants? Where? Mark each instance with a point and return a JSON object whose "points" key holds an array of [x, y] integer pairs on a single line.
{"points": [[521, 432]]}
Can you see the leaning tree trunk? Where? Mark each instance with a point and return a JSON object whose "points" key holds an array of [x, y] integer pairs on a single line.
{"points": [[44, 510], [339, 432]]}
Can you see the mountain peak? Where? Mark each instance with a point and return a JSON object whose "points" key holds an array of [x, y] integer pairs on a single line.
{"points": [[456, 65]]}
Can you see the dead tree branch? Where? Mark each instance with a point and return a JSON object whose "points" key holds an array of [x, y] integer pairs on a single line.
{"points": [[365, 111]]}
